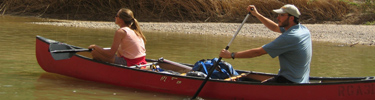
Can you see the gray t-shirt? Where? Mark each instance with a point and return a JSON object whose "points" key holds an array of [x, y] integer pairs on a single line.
{"points": [[294, 48]]}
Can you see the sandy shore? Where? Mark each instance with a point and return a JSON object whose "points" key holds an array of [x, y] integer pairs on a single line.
{"points": [[344, 34]]}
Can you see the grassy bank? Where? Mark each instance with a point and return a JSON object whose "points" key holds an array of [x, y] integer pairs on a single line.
{"points": [[313, 11]]}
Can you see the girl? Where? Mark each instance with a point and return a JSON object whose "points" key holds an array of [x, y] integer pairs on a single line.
{"points": [[128, 47]]}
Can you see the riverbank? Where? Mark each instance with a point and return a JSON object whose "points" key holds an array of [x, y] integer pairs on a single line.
{"points": [[228, 11], [346, 35]]}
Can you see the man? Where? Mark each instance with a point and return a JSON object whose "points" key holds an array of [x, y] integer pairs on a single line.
{"points": [[293, 46]]}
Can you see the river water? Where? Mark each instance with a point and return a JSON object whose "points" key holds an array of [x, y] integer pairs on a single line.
{"points": [[22, 78]]}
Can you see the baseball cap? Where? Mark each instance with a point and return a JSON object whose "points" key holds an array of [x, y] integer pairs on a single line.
{"points": [[290, 9]]}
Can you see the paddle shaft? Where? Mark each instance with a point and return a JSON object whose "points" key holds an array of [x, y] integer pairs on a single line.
{"points": [[217, 63]]}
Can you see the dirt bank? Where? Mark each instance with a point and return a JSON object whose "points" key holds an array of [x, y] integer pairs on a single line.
{"points": [[344, 34]]}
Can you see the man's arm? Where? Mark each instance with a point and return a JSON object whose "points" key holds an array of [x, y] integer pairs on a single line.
{"points": [[267, 22], [244, 54]]}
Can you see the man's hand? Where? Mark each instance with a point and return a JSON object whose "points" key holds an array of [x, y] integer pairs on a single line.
{"points": [[252, 10], [225, 54]]}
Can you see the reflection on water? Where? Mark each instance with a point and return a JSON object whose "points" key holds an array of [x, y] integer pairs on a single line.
{"points": [[22, 78], [54, 86]]}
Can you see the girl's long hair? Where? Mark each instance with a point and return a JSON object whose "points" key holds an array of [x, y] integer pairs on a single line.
{"points": [[128, 17]]}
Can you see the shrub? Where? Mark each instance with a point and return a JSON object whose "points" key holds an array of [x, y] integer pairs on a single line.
{"points": [[313, 11]]}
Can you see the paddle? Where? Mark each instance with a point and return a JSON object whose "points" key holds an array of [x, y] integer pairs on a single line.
{"points": [[60, 51], [217, 63]]}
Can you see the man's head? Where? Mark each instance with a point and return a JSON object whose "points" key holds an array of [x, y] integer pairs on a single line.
{"points": [[287, 15]]}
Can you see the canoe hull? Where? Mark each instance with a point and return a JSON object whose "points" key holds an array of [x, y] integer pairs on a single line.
{"points": [[88, 69]]}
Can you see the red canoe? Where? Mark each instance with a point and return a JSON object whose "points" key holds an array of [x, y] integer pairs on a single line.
{"points": [[80, 65]]}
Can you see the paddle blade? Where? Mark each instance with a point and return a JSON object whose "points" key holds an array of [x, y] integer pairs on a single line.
{"points": [[60, 55]]}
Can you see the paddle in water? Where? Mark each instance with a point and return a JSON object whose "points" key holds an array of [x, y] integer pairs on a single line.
{"points": [[216, 64]]}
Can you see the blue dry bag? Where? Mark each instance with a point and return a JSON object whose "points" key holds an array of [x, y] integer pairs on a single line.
{"points": [[226, 69]]}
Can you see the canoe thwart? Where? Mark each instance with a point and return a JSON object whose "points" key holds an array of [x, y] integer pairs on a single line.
{"points": [[234, 78]]}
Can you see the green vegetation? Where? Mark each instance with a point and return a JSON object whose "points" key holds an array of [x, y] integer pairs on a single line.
{"points": [[370, 23], [313, 11], [368, 10]]}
